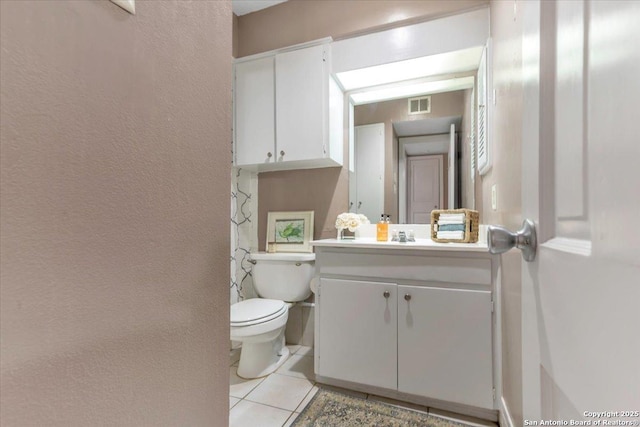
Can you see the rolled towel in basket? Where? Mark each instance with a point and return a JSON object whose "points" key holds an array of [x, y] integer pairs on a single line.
{"points": [[460, 217], [450, 227], [452, 235], [450, 222]]}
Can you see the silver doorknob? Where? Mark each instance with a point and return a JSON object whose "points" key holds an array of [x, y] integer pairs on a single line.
{"points": [[269, 155], [386, 294], [282, 153], [501, 240], [407, 297]]}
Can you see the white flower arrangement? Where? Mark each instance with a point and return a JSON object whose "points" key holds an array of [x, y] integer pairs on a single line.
{"points": [[350, 221]]}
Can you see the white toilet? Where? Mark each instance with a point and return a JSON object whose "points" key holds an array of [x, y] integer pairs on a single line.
{"points": [[280, 279]]}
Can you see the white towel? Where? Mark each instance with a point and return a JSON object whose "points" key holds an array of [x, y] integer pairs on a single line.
{"points": [[450, 222], [451, 217], [455, 235]]}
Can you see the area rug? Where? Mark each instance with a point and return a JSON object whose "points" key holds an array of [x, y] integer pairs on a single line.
{"points": [[332, 409]]}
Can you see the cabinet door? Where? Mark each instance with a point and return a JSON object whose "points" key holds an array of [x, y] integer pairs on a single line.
{"points": [[302, 81], [358, 331], [254, 112], [444, 344]]}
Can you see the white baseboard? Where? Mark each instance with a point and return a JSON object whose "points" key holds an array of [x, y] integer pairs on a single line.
{"points": [[505, 416]]}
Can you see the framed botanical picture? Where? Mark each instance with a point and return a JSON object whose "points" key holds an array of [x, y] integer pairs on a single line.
{"points": [[289, 231]]}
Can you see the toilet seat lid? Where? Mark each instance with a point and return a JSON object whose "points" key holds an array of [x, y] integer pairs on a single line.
{"points": [[256, 310]]}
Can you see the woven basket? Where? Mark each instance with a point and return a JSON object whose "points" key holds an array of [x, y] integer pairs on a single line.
{"points": [[471, 225]]}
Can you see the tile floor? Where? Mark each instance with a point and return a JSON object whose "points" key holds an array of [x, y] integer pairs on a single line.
{"points": [[276, 400]]}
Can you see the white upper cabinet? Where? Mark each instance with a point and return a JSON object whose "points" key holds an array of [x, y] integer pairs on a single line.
{"points": [[255, 112], [302, 80], [288, 111]]}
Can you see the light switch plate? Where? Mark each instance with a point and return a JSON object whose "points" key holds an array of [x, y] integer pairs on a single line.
{"points": [[494, 197]]}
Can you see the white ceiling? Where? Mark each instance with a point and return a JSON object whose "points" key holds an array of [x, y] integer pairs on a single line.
{"points": [[426, 126], [242, 7], [444, 63], [443, 72]]}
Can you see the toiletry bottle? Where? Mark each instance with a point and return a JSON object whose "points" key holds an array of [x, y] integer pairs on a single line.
{"points": [[382, 230]]}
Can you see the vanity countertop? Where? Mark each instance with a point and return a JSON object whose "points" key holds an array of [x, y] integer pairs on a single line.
{"points": [[419, 244]]}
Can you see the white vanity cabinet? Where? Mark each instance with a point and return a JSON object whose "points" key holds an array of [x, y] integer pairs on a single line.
{"points": [[288, 111], [411, 325]]}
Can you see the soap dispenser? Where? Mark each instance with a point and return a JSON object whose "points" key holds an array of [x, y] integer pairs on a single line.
{"points": [[382, 230]]}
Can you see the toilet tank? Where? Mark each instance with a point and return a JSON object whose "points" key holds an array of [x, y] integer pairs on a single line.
{"points": [[283, 276]]}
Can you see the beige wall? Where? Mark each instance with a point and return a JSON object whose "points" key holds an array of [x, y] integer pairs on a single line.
{"points": [[318, 190], [506, 137], [389, 112], [298, 21], [114, 213], [234, 40]]}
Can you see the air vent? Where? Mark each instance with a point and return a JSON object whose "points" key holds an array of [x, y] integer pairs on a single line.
{"points": [[420, 105]]}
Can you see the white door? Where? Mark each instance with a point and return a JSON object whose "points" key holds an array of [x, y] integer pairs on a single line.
{"points": [[369, 171], [424, 187], [581, 185]]}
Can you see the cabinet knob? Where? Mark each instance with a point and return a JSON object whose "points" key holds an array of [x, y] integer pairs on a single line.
{"points": [[407, 297], [386, 294], [282, 153], [269, 155]]}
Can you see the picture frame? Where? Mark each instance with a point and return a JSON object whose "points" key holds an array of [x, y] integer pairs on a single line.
{"points": [[289, 231]]}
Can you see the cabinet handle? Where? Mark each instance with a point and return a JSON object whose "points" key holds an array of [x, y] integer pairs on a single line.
{"points": [[407, 297], [282, 153], [386, 294], [269, 155]]}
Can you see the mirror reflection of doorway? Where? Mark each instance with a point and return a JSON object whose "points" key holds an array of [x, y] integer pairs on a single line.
{"points": [[432, 144], [425, 187], [367, 180]]}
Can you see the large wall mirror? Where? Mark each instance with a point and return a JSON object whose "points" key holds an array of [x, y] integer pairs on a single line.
{"points": [[413, 117], [412, 143]]}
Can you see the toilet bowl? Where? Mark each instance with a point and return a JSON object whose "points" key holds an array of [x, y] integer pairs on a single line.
{"points": [[280, 280]]}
